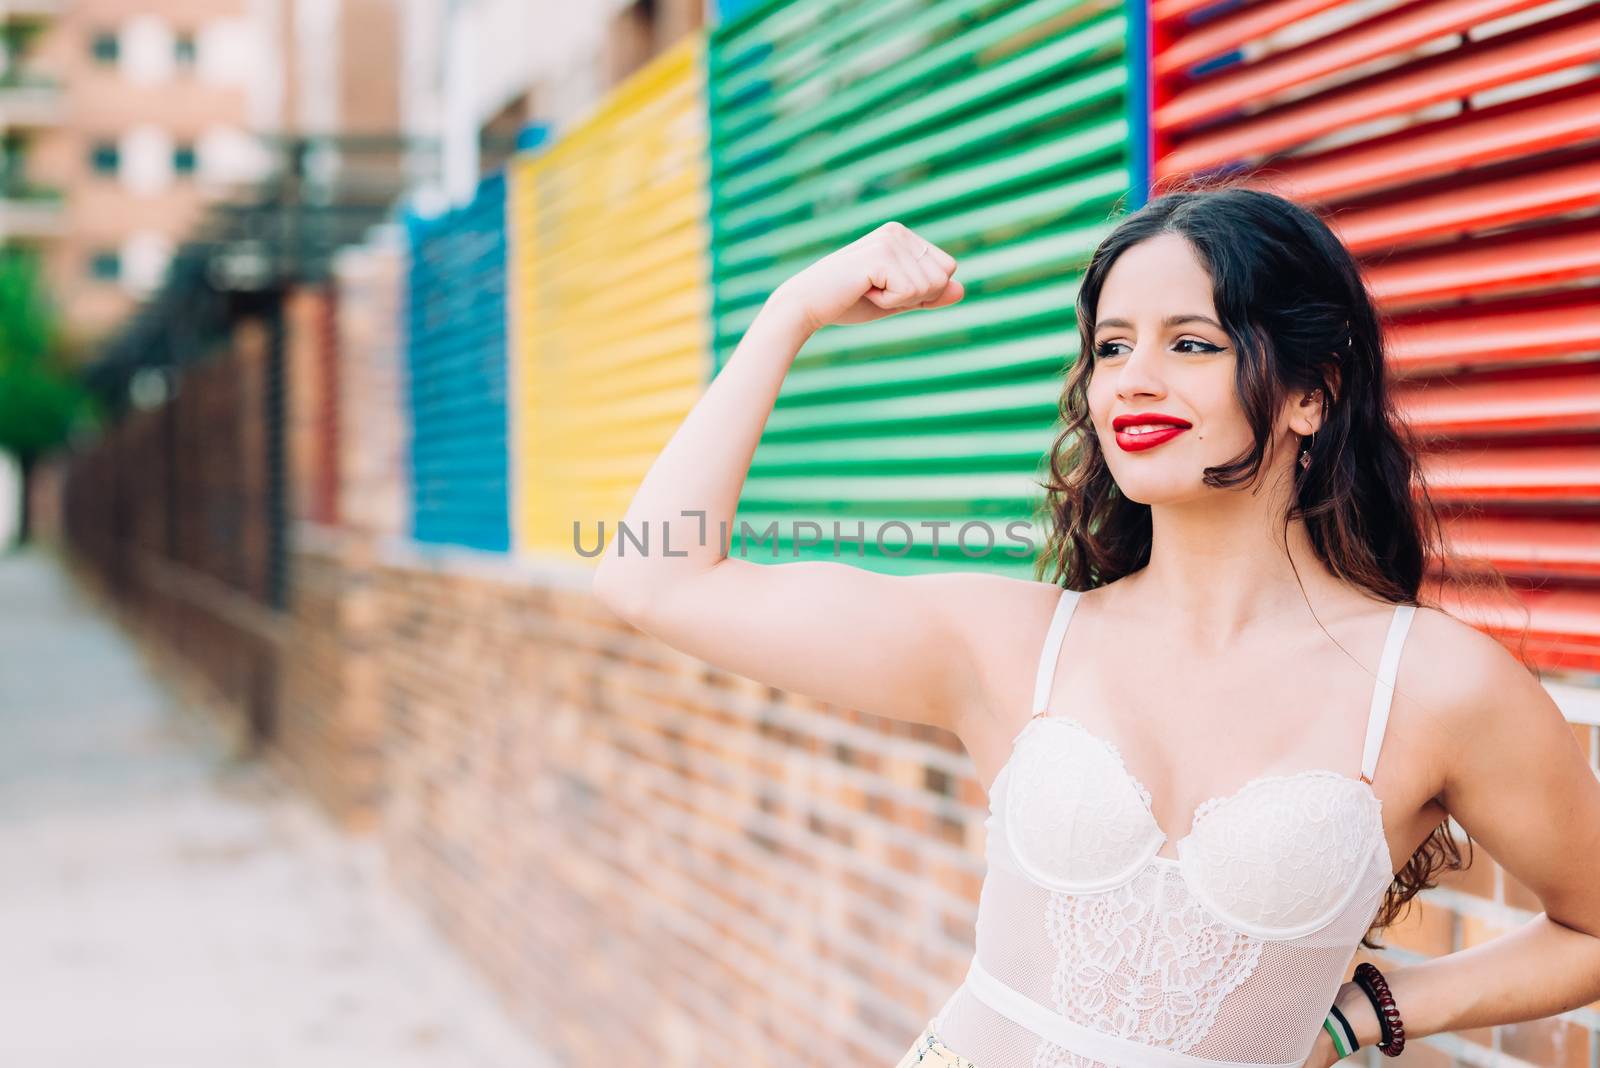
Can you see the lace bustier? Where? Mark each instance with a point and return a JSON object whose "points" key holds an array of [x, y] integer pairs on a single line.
{"points": [[1093, 949]]}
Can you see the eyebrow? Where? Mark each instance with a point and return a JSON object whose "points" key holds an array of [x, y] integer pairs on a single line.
{"points": [[1171, 320]]}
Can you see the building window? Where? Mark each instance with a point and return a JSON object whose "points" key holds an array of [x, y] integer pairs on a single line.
{"points": [[106, 265], [104, 46], [104, 157], [183, 159], [183, 48]]}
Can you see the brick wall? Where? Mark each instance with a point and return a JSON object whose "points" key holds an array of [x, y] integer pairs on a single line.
{"points": [[329, 719], [347, 446], [372, 440], [658, 859]]}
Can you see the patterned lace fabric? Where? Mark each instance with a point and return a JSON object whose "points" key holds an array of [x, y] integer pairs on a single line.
{"points": [[1144, 961], [1230, 952]]}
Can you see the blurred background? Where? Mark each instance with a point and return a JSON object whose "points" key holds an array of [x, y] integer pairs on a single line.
{"points": [[331, 331]]}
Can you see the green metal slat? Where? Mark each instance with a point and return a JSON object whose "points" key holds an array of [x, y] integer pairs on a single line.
{"points": [[1055, 69], [750, 39], [803, 51], [996, 403], [994, 178], [1003, 138], [1006, 359], [1039, 308], [835, 103], [977, 449], [954, 490]]}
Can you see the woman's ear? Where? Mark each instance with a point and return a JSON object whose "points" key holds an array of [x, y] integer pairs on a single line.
{"points": [[1310, 409]]}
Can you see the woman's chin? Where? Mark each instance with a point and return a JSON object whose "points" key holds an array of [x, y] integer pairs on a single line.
{"points": [[1160, 492]]}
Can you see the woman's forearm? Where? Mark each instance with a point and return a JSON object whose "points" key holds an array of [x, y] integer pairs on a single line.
{"points": [[1539, 970], [703, 467]]}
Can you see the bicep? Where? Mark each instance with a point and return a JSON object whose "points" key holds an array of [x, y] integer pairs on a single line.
{"points": [[893, 645], [1520, 784]]}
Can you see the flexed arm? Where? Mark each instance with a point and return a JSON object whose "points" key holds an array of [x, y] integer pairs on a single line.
{"points": [[892, 645]]}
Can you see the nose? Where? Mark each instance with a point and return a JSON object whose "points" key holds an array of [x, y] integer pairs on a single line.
{"points": [[1140, 374]]}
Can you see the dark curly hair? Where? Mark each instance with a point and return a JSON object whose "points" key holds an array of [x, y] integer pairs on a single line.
{"points": [[1293, 302]]}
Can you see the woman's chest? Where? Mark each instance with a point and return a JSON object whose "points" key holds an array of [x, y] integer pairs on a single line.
{"points": [[1278, 857]]}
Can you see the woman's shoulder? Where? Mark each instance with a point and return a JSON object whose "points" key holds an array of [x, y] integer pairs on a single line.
{"points": [[1455, 682], [1455, 662]]}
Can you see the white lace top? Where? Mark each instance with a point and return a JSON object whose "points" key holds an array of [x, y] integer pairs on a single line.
{"points": [[1094, 951]]}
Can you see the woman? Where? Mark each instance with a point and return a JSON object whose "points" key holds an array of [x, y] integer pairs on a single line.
{"points": [[1229, 641]]}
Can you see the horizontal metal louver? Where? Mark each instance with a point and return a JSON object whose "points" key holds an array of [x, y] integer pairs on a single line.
{"points": [[610, 308], [1453, 146], [456, 363], [999, 131]]}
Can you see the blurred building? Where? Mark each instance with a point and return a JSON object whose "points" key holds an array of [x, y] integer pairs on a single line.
{"points": [[121, 121], [124, 121], [480, 72]]}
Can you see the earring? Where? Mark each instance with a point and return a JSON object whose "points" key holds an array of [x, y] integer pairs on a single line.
{"points": [[1305, 454]]}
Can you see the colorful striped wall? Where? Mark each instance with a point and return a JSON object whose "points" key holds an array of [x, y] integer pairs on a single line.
{"points": [[1449, 143]]}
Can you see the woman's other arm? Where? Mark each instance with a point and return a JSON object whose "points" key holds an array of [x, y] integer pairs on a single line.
{"points": [[1515, 778]]}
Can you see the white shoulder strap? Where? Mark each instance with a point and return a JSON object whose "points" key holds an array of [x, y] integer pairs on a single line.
{"points": [[1052, 648], [1383, 692]]}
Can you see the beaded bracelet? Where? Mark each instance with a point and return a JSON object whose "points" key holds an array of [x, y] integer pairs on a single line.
{"points": [[1372, 982], [1339, 1029]]}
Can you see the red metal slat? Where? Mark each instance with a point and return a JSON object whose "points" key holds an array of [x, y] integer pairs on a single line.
{"points": [[1227, 32], [1562, 325], [1529, 545], [1506, 131], [1464, 269], [1173, 10], [1552, 474], [1391, 33], [1402, 219], [1563, 624], [1563, 42], [1564, 400]]}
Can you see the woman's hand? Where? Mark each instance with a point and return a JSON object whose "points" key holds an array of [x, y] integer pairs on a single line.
{"points": [[887, 271]]}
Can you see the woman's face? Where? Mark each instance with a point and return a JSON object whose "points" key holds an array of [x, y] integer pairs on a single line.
{"points": [[1159, 348]]}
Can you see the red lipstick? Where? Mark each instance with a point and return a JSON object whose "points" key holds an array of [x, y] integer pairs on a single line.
{"points": [[1162, 428]]}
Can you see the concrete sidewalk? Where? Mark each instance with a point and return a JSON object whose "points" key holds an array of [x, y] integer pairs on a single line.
{"points": [[163, 905]]}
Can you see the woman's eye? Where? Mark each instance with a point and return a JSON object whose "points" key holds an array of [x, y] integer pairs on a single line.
{"points": [[1104, 349]]}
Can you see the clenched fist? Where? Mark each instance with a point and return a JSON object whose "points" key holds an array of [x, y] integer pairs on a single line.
{"points": [[887, 271]]}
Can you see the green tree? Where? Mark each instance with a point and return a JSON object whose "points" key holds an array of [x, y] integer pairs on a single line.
{"points": [[41, 398]]}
